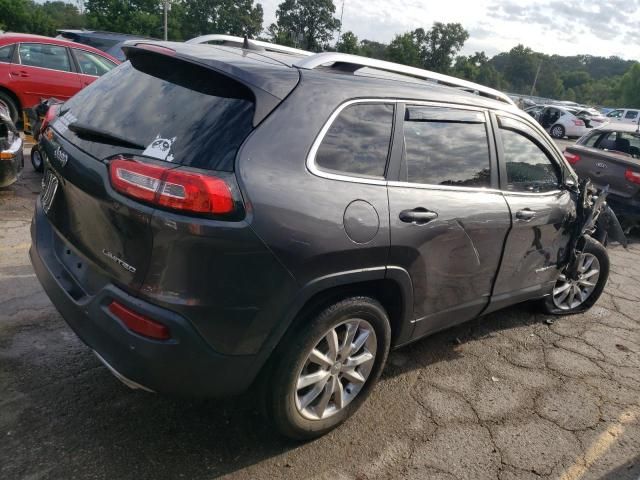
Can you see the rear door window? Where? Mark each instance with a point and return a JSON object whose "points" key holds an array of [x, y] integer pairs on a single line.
{"points": [[53, 57], [631, 115], [92, 64], [357, 143], [174, 111], [445, 146]]}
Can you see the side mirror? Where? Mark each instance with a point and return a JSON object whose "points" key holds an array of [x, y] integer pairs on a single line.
{"points": [[570, 184]]}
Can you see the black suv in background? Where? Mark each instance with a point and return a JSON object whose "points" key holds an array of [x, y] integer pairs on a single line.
{"points": [[109, 42], [213, 215]]}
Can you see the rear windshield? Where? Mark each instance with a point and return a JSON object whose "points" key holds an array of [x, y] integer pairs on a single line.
{"points": [[173, 110], [103, 44]]}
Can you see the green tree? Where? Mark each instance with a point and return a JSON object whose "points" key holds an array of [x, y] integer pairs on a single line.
{"points": [[372, 49], [234, 17], [630, 87], [405, 49], [440, 45], [308, 24], [348, 43], [141, 17], [15, 15]]}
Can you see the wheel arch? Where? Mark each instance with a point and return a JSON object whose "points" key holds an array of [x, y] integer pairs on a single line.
{"points": [[12, 95]]}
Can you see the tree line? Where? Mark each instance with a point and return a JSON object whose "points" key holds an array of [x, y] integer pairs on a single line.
{"points": [[313, 25]]}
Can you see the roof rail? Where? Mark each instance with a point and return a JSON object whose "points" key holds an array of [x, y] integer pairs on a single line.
{"points": [[352, 63], [240, 42]]}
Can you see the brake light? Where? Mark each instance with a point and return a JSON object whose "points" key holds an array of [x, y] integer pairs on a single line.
{"points": [[139, 323], [50, 116], [572, 158], [578, 123], [631, 176], [170, 187]]}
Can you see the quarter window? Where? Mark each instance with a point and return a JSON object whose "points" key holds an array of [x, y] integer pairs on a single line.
{"points": [[42, 55], [6, 53], [529, 169], [357, 143], [92, 64], [445, 146]]}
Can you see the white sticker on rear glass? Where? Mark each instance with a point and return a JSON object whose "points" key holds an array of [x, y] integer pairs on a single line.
{"points": [[160, 148]]}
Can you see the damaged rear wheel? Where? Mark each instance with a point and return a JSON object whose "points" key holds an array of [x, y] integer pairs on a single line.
{"points": [[578, 294]]}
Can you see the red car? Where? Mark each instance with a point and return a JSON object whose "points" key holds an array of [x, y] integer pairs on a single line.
{"points": [[33, 67]]}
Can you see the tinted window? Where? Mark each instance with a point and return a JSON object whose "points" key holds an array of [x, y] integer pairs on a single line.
{"points": [[92, 64], [358, 140], [6, 53], [631, 114], [446, 147], [621, 142], [53, 57], [176, 112], [528, 167]]}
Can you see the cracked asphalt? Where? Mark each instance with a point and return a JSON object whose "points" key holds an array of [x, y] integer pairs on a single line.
{"points": [[508, 396]]}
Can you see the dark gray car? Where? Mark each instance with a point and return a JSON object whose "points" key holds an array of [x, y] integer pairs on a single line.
{"points": [[215, 217], [610, 155]]}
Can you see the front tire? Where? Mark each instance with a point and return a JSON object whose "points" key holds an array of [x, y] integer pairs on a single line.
{"points": [[557, 131], [326, 369], [579, 295]]}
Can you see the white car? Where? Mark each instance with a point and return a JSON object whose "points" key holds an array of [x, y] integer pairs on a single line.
{"points": [[623, 115], [560, 122], [593, 118]]}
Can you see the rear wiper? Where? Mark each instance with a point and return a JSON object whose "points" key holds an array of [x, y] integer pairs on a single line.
{"points": [[101, 136]]}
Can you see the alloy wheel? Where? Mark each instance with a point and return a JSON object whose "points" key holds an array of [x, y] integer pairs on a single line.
{"points": [[571, 293], [336, 369]]}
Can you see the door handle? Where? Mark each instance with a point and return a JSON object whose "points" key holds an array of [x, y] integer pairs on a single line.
{"points": [[21, 73], [417, 216], [525, 214]]}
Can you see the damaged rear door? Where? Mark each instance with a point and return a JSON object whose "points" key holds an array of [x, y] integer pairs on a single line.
{"points": [[448, 218]]}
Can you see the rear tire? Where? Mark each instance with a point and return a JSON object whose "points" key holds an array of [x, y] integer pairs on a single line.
{"points": [[359, 330], [12, 106], [557, 131], [36, 159], [594, 257]]}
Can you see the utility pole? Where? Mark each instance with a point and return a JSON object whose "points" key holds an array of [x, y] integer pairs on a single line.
{"points": [[341, 15], [166, 24], [535, 80]]}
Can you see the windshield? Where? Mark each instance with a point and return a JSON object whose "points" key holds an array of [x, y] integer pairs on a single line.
{"points": [[175, 111]]}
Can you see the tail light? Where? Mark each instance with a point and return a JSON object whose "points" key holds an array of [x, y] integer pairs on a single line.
{"points": [[572, 158], [140, 324], [631, 176], [52, 113], [171, 188], [578, 123]]}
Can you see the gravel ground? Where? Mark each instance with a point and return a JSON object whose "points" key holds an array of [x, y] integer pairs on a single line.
{"points": [[507, 396]]}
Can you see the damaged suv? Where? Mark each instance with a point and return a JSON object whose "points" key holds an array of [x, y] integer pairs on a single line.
{"points": [[220, 216]]}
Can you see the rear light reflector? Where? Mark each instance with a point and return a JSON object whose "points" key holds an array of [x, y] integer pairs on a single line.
{"points": [[572, 158], [631, 176], [52, 113], [170, 187], [138, 323]]}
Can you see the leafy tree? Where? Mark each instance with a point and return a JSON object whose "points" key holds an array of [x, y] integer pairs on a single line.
{"points": [[141, 17], [372, 49], [348, 43], [441, 44], [308, 24], [630, 87], [405, 49], [235, 17]]}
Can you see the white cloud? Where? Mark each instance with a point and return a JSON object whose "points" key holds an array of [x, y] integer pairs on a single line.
{"points": [[564, 27]]}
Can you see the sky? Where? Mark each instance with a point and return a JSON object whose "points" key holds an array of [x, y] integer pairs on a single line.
{"points": [[563, 27]]}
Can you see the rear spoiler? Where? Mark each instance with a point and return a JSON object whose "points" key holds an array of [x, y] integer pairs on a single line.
{"points": [[268, 94]]}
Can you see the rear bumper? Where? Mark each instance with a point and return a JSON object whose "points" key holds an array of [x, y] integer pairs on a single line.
{"points": [[628, 208], [184, 365]]}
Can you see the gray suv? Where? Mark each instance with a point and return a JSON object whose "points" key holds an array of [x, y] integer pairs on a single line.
{"points": [[215, 217]]}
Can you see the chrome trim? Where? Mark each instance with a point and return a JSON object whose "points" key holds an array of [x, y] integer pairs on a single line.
{"points": [[311, 157], [324, 58], [533, 194], [450, 188], [239, 41], [127, 381]]}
